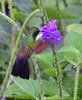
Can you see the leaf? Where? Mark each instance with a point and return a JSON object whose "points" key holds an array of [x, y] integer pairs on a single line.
{"points": [[76, 11], [71, 54], [68, 67], [75, 27], [30, 86], [45, 60], [6, 39], [15, 92], [35, 22], [68, 84], [52, 72], [23, 5], [56, 97], [4, 57], [19, 15], [52, 13], [74, 40], [49, 87], [6, 26]]}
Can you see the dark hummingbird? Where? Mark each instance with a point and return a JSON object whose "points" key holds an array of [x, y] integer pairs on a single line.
{"points": [[28, 45]]}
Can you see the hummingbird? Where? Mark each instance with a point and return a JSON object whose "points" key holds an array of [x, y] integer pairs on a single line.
{"points": [[29, 44]]}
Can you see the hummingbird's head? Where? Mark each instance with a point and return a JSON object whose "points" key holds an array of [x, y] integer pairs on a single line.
{"points": [[35, 32]]}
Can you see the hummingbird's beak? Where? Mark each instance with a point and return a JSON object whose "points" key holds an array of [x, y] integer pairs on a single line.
{"points": [[42, 31]]}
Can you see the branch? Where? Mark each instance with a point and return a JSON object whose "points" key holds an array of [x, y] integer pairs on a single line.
{"points": [[38, 76], [59, 17]]}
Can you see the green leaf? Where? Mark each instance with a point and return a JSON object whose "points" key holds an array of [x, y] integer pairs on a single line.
{"points": [[68, 84], [19, 15], [75, 27], [6, 26], [56, 97], [76, 11], [71, 54], [45, 60], [15, 92], [6, 39], [52, 13], [49, 87], [35, 22], [74, 40], [4, 57], [23, 5], [30, 86], [68, 67], [52, 72]]}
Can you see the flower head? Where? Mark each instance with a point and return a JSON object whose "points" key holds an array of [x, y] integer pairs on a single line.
{"points": [[1, 38], [3, 98], [51, 33]]}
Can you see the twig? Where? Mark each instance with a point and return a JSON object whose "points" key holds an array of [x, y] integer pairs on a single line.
{"points": [[76, 83], [13, 56], [3, 5], [58, 73], [11, 9], [13, 37], [59, 17], [65, 3], [38, 76], [44, 13]]}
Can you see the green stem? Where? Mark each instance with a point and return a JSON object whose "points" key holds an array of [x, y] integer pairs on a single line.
{"points": [[59, 17], [44, 13], [65, 3], [14, 53], [3, 5], [58, 73], [11, 9], [76, 83], [38, 76]]}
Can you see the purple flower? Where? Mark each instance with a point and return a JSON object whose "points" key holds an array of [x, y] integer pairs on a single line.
{"points": [[3, 98], [1, 38], [51, 33]]}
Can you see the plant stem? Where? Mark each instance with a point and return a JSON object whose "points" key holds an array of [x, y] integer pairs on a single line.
{"points": [[11, 9], [65, 3], [13, 56], [76, 83], [13, 37], [58, 73], [59, 17], [3, 5], [44, 13], [38, 76]]}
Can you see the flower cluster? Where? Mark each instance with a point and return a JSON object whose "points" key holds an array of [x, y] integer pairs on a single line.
{"points": [[3, 98], [51, 33], [1, 38]]}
